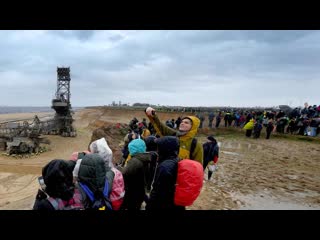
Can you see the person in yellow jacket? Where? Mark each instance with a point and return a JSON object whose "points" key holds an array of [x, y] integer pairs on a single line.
{"points": [[186, 133], [249, 127], [145, 133]]}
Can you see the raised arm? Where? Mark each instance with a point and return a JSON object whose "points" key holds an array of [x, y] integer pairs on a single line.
{"points": [[160, 127]]}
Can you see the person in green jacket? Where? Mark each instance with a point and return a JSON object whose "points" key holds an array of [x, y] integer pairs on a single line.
{"points": [[187, 131]]}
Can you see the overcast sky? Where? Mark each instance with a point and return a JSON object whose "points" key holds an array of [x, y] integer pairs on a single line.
{"points": [[186, 68]]}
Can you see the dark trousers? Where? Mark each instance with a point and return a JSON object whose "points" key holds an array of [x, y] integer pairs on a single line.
{"points": [[205, 164], [268, 133], [301, 130], [248, 133], [217, 124]]}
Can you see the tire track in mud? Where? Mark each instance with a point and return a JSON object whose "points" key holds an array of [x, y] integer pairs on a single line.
{"points": [[20, 169], [216, 193], [263, 175], [9, 181], [16, 188], [276, 171]]}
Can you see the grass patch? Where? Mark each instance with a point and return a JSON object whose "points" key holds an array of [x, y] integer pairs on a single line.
{"points": [[307, 139], [222, 133], [237, 133], [296, 137]]}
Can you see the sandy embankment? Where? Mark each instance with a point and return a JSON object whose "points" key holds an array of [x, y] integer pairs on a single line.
{"points": [[16, 116], [18, 177]]}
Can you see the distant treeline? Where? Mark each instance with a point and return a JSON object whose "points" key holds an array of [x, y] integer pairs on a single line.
{"points": [[140, 106], [8, 109]]}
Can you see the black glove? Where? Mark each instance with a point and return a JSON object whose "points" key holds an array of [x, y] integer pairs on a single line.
{"points": [[41, 195]]}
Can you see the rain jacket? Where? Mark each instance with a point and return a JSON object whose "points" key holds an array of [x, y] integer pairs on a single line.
{"points": [[114, 176], [249, 125], [91, 172], [184, 140], [134, 174], [163, 188], [210, 152], [60, 189]]}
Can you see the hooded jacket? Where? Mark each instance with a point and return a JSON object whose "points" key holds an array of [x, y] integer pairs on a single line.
{"points": [[210, 151], [152, 149], [163, 188], [249, 125], [134, 174], [101, 148], [114, 176], [185, 139], [92, 172], [57, 176]]}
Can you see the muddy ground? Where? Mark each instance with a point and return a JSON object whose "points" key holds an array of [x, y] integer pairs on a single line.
{"points": [[280, 173]]}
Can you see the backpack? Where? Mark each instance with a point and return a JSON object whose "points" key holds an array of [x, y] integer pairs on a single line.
{"points": [[117, 192], [189, 182], [193, 146], [99, 200]]}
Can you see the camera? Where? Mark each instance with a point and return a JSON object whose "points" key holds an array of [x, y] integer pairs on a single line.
{"points": [[41, 183]]}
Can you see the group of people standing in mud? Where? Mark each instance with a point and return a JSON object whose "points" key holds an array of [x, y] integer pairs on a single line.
{"points": [[299, 121], [303, 122], [147, 174]]}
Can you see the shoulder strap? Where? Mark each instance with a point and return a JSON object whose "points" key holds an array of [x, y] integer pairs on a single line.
{"points": [[90, 194], [193, 146], [106, 195], [87, 190], [106, 188], [56, 204]]}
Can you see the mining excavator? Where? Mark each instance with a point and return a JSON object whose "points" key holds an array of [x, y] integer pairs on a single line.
{"points": [[21, 136]]}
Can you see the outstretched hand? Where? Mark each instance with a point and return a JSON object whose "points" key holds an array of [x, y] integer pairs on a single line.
{"points": [[150, 111]]}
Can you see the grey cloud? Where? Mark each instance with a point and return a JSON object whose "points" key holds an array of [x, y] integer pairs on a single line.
{"points": [[82, 35], [173, 67]]}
